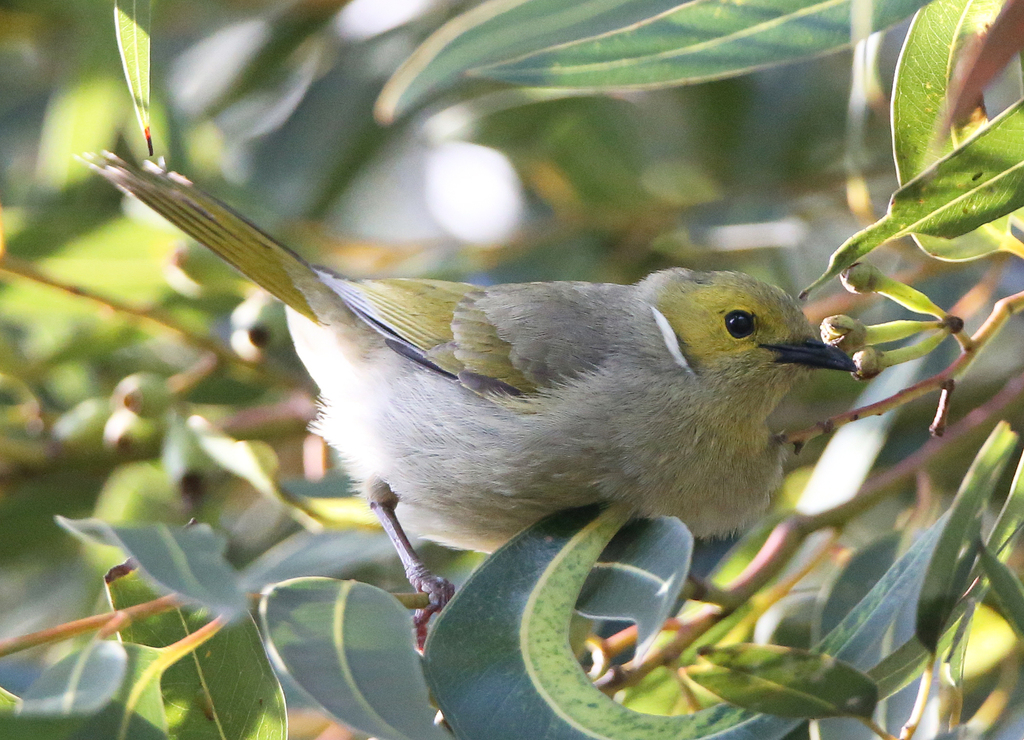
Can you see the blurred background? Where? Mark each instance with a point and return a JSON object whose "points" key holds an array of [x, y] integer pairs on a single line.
{"points": [[269, 106]]}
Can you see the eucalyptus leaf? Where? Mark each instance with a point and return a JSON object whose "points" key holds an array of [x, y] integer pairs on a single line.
{"points": [[81, 683], [1011, 516], [1007, 588], [132, 25], [639, 576], [228, 684], [979, 181], [937, 38], [187, 561], [785, 681], [134, 712], [867, 566], [950, 569], [900, 667], [350, 647], [623, 44], [505, 635]]}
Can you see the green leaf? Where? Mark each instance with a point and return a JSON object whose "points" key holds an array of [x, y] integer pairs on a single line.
{"points": [[134, 712], [979, 181], [329, 554], [639, 576], [1011, 516], [865, 568], [505, 635], [623, 44], [350, 646], [785, 681], [228, 684], [900, 667], [866, 625], [253, 462], [82, 683], [187, 561], [132, 24], [936, 40], [950, 569], [8, 700], [1007, 589]]}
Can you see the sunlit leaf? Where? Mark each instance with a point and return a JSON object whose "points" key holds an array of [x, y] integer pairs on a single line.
{"points": [[350, 646], [938, 37], [188, 561], [979, 181], [599, 45], [785, 681], [228, 683], [132, 24], [639, 576], [949, 571]]}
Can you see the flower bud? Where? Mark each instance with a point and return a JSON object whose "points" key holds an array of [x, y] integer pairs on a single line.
{"points": [[844, 332], [861, 277], [145, 394], [257, 323], [869, 362], [126, 431]]}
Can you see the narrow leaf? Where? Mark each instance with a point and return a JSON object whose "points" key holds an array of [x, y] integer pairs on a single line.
{"points": [[979, 181], [623, 44], [785, 681], [350, 646], [132, 25], [949, 570], [1007, 589], [187, 561], [639, 576]]}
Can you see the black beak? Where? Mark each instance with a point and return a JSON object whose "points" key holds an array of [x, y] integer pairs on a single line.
{"points": [[813, 354]]}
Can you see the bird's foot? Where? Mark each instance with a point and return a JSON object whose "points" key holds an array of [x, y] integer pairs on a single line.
{"points": [[438, 590]]}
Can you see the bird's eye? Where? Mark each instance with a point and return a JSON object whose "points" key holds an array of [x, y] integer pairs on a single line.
{"points": [[739, 323]]}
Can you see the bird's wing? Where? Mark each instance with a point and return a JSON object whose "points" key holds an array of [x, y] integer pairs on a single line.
{"points": [[259, 257]]}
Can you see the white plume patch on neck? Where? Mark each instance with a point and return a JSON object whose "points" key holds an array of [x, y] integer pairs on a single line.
{"points": [[668, 334]]}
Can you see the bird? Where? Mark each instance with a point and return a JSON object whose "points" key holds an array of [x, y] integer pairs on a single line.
{"points": [[467, 413]]}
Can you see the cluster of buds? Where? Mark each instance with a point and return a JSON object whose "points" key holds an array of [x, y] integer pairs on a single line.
{"points": [[852, 336]]}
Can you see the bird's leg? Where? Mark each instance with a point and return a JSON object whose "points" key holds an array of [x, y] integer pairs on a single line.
{"points": [[439, 590]]}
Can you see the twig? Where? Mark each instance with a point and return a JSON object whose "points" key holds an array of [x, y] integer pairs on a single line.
{"points": [[924, 689], [938, 425], [88, 624], [151, 315], [1001, 313]]}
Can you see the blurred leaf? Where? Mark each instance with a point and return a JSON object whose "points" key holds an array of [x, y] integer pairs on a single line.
{"points": [[82, 683], [327, 554], [900, 667], [330, 500], [1000, 40], [639, 576], [132, 24], [867, 624], [938, 37], [187, 561], [599, 45], [135, 712], [950, 568], [979, 181], [255, 462], [350, 646], [1006, 587], [992, 640], [867, 566], [785, 681], [227, 685], [8, 700], [505, 634], [1011, 516]]}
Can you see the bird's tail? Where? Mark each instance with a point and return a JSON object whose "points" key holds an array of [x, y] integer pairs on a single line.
{"points": [[255, 254]]}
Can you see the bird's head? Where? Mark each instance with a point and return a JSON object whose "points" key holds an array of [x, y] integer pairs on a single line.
{"points": [[734, 329]]}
